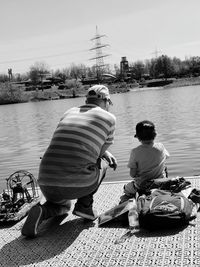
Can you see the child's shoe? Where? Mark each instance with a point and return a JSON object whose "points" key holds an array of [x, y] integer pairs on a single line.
{"points": [[124, 198]]}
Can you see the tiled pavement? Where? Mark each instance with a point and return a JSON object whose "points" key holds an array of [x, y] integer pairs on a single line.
{"points": [[73, 242]]}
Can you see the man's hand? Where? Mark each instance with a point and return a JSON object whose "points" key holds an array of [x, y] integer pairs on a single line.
{"points": [[112, 162]]}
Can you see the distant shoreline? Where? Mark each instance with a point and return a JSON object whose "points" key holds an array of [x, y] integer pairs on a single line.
{"points": [[54, 93], [113, 88], [184, 82]]}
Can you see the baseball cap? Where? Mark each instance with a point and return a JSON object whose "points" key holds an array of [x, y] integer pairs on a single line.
{"points": [[145, 130], [99, 92]]}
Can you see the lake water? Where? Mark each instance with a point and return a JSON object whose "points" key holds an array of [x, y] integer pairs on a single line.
{"points": [[26, 129]]}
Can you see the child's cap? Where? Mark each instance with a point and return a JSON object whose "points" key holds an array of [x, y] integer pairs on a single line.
{"points": [[145, 130]]}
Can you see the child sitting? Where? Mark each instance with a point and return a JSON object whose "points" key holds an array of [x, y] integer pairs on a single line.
{"points": [[147, 161]]}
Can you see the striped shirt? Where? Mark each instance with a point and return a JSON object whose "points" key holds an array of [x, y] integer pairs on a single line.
{"points": [[70, 160]]}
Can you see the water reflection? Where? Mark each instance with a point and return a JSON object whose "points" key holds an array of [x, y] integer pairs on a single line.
{"points": [[26, 129]]}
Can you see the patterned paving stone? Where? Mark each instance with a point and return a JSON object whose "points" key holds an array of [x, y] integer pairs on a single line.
{"points": [[74, 242]]}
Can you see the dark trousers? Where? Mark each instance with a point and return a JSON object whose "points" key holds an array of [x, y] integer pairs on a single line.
{"points": [[57, 202]]}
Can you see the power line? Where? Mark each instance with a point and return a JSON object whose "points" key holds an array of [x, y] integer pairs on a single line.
{"points": [[41, 57]]}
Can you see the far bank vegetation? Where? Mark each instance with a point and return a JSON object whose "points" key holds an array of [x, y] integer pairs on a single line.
{"points": [[40, 83]]}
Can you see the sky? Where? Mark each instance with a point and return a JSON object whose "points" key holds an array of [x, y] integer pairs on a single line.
{"points": [[59, 32]]}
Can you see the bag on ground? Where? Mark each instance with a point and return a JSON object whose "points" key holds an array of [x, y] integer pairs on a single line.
{"points": [[163, 209]]}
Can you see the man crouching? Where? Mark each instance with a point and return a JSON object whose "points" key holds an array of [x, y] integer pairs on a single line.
{"points": [[74, 165]]}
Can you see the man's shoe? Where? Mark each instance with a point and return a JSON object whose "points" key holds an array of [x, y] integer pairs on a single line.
{"points": [[32, 222], [85, 212]]}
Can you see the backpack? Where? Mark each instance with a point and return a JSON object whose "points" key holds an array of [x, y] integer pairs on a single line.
{"points": [[162, 209]]}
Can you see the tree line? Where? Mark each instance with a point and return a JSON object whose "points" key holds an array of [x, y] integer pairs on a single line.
{"points": [[160, 67], [166, 67]]}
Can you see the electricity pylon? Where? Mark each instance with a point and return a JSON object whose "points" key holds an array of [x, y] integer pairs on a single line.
{"points": [[99, 57], [156, 52]]}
